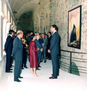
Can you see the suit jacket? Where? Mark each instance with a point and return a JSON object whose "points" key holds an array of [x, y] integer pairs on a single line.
{"points": [[17, 48], [38, 45], [55, 44], [45, 43], [48, 44], [9, 45]]}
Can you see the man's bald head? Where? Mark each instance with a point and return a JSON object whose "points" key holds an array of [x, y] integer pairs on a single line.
{"points": [[20, 33]]}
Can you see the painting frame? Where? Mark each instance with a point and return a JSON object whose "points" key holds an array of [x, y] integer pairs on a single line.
{"points": [[74, 27]]}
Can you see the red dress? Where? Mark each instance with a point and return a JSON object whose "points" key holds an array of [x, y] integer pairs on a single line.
{"points": [[33, 55]]}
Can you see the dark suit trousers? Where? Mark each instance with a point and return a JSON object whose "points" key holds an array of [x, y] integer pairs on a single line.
{"points": [[39, 57], [24, 61], [44, 54], [17, 68], [8, 61], [55, 65]]}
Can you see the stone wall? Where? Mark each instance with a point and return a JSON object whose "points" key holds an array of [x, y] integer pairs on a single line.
{"points": [[41, 16]]}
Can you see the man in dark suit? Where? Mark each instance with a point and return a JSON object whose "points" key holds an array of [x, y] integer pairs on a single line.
{"points": [[8, 50], [55, 50], [39, 52], [48, 45], [18, 55], [45, 47]]}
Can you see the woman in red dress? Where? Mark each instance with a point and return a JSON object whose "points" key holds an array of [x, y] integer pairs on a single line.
{"points": [[33, 56]]}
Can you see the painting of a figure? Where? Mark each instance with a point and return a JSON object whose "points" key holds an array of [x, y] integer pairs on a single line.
{"points": [[74, 31]]}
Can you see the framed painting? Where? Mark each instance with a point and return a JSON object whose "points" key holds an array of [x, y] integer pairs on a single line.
{"points": [[74, 27]]}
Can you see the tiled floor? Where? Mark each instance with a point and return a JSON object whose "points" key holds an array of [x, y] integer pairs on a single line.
{"points": [[65, 82]]}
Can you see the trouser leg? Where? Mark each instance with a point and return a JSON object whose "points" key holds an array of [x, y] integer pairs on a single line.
{"points": [[8, 62], [55, 66], [17, 69]]}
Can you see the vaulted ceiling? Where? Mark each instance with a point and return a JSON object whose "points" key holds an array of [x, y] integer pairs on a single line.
{"points": [[22, 6]]}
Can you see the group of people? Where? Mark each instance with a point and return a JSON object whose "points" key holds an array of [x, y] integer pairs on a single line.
{"points": [[38, 47]]}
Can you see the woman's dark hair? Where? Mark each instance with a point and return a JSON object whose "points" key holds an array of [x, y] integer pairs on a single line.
{"points": [[55, 26]]}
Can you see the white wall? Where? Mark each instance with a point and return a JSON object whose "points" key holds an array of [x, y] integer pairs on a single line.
{"points": [[2, 66]]}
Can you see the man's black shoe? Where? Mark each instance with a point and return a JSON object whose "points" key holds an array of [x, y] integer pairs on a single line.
{"points": [[20, 77], [8, 71], [39, 66], [52, 77], [25, 67], [17, 80]]}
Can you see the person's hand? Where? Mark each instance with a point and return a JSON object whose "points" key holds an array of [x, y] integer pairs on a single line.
{"points": [[37, 49], [26, 46], [48, 51], [41, 49]]}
